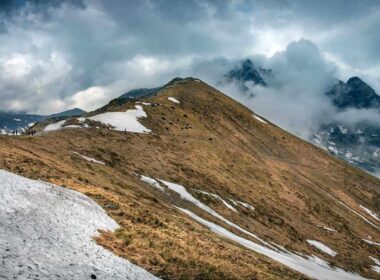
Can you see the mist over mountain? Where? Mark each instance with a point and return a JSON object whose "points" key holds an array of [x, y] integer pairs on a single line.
{"points": [[246, 72], [342, 118], [354, 94]]}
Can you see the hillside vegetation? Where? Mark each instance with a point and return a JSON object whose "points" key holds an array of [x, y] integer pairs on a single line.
{"points": [[283, 189]]}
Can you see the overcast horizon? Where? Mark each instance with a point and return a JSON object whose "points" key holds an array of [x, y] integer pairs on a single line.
{"points": [[57, 55]]}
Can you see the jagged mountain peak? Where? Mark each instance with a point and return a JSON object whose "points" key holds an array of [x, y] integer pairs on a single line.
{"points": [[246, 72], [355, 80], [355, 93], [247, 65], [355, 83]]}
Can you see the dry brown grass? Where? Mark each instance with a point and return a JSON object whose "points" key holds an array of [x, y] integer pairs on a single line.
{"points": [[212, 143]]}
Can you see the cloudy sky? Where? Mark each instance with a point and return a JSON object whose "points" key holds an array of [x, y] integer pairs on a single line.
{"points": [[56, 55]]}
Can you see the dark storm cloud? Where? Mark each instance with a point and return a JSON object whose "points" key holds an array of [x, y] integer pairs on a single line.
{"points": [[57, 54], [42, 8], [14, 5]]}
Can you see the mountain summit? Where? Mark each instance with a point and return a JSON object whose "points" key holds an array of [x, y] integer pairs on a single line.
{"points": [[246, 72], [204, 188], [354, 94]]}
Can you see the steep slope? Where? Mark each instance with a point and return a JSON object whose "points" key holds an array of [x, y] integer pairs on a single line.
{"points": [[240, 198]]}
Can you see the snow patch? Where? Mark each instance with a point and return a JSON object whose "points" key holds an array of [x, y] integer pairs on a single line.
{"points": [[333, 149], [343, 130], [376, 153], [152, 182], [218, 197], [143, 103], [246, 205], [317, 141], [348, 155], [54, 126], [375, 267], [371, 242], [48, 230], [172, 99], [318, 136], [124, 121], [349, 208], [59, 125], [228, 205], [322, 247], [241, 203], [312, 266], [74, 126], [371, 213], [259, 119], [326, 228], [89, 159], [184, 194]]}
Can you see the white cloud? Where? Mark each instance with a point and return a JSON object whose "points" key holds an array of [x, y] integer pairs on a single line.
{"points": [[295, 99], [17, 66], [96, 96]]}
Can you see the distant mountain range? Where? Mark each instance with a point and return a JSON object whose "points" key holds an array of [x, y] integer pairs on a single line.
{"points": [[358, 144], [10, 121]]}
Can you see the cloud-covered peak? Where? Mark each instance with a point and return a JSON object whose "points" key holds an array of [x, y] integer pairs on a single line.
{"points": [[354, 94], [245, 72]]}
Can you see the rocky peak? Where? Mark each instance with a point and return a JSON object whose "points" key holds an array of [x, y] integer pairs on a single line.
{"points": [[246, 72], [354, 94]]}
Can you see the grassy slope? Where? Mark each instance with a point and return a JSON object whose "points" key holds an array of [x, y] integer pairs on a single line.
{"points": [[208, 142]]}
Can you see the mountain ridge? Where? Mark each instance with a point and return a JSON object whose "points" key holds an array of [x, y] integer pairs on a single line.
{"points": [[213, 154]]}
